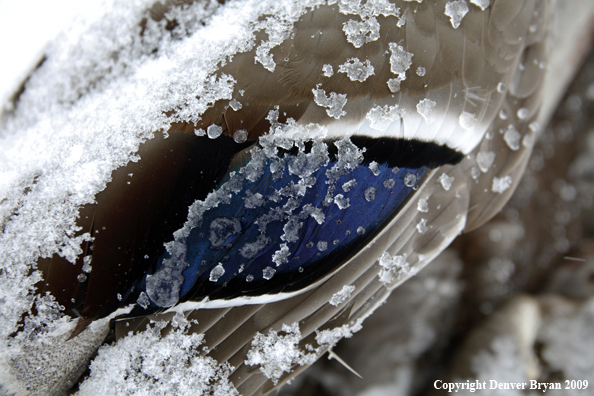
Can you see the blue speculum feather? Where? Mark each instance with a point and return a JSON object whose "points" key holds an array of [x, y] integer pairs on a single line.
{"points": [[266, 240]]}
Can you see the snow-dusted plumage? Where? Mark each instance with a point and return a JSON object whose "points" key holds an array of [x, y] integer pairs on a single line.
{"points": [[217, 181]]}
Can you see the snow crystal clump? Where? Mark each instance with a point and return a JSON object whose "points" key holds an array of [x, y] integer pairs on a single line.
{"points": [[357, 70], [341, 201], [281, 256], [359, 33], [341, 296], [393, 268], [348, 186], [423, 206], [421, 71], [331, 336], [87, 264], [422, 226], [252, 200], [380, 117], [456, 11], [512, 137], [327, 70], [446, 181], [425, 108], [400, 60], [484, 160], [501, 184], [333, 103], [148, 364], [277, 354]]}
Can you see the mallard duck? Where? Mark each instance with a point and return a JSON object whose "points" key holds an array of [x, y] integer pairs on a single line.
{"points": [[285, 166]]}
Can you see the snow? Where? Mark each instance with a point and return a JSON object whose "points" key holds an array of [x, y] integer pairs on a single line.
{"points": [[381, 117], [421, 71], [216, 273], [172, 365], [214, 131], [341, 296], [358, 33], [422, 226], [332, 336], [394, 84], [235, 105], [221, 228], [328, 70], [278, 354], [370, 193], [322, 246], [482, 4], [425, 109], [400, 60], [374, 167], [501, 184], [410, 179], [281, 256], [341, 201], [467, 120], [423, 206], [102, 91], [333, 103], [523, 113], [456, 10], [357, 70], [512, 138], [446, 181], [348, 186], [484, 160], [268, 273], [393, 268]]}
